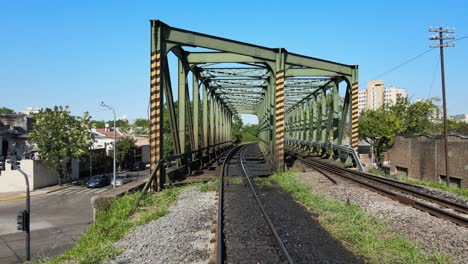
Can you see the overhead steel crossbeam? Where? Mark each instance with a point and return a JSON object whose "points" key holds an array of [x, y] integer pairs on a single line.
{"points": [[233, 72], [236, 77]]}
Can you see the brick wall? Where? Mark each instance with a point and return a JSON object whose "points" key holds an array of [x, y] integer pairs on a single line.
{"points": [[423, 158]]}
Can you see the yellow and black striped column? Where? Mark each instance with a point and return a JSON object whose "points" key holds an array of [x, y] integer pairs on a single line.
{"points": [[279, 120], [354, 116], [155, 117]]}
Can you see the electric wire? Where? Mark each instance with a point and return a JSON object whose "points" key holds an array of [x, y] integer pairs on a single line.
{"points": [[434, 73], [415, 57], [402, 64]]}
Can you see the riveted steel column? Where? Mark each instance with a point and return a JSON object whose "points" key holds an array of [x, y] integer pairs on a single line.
{"points": [[156, 101], [307, 121], [315, 122], [336, 109], [205, 122], [330, 110], [182, 105], [216, 122], [354, 110], [271, 118], [279, 110], [196, 112], [323, 135], [212, 122]]}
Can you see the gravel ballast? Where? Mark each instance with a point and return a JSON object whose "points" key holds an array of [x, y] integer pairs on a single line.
{"points": [[431, 233], [182, 236]]}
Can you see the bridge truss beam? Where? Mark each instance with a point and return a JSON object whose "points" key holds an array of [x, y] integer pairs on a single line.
{"points": [[294, 97]]}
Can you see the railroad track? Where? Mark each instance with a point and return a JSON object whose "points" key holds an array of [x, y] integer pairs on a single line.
{"points": [[405, 193], [247, 161]]}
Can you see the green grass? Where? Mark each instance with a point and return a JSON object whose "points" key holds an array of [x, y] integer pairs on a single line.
{"points": [[235, 180], [364, 235], [438, 185], [247, 137], [97, 243]]}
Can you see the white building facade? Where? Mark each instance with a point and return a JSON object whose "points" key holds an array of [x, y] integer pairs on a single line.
{"points": [[376, 96]]}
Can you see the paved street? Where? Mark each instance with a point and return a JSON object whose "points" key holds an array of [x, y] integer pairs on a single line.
{"points": [[57, 220]]}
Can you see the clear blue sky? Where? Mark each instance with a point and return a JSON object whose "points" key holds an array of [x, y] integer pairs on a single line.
{"points": [[79, 53]]}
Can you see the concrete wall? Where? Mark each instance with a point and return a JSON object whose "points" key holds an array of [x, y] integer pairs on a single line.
{"points": [[145, 154], [43, 175], [13, 181], [423, 158], [39, 176]]}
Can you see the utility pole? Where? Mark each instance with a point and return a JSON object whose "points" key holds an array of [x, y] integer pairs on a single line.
{"points": [[449, 35], [113, 111]]}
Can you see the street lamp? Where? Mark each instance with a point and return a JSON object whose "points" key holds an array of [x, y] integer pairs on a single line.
{"points": [[110, 107]]}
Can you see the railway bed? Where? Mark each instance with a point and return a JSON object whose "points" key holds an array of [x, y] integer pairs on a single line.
{"points": [[288, 233]]}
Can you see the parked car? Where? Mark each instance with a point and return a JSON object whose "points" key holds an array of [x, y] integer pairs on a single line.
{"points": [[138, 166], [97, 181], [121, 179]]}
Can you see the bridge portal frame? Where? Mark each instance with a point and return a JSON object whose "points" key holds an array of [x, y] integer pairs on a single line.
{"points": [[215, 110]]}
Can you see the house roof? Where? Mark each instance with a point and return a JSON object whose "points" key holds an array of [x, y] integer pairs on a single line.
{"points": [[140, 139], [109, 132]]}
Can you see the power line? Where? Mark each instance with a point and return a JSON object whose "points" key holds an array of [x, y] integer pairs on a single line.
{"points": [[415, 57], [458, 39], [433, 77], [404, 63]]}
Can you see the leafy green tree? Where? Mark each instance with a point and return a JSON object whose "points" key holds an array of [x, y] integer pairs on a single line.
{"points": [[380, 127], [236, 129], [141, 126], [416, 117], [97, 123], [141, 122], [6, 110], [59, 137], [249, 132], [456, 127], [125, 147]]}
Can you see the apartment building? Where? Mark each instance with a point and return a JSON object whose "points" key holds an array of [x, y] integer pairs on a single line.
{"points": [[461, 118], [375, 96]]}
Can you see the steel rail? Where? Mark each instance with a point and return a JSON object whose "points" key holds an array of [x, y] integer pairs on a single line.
{"points": [[219, 229], [441, 213], [406, 188], [265, 215]]}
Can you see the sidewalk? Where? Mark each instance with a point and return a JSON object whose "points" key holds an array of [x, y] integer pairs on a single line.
{"points": [[8, 196]]}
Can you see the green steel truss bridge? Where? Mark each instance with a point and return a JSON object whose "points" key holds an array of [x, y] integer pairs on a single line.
{"points": [[295, 97]]}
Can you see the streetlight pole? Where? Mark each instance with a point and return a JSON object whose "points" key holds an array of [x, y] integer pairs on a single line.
{"points": [[110, 107], [441, 45]]}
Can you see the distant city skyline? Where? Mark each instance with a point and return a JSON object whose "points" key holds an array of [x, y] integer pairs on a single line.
{"points": [[79, 53]]}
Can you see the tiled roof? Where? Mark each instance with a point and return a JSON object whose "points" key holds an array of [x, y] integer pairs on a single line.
{"points": [[109, 132]]}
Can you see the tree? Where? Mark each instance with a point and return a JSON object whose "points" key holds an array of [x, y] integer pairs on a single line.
{"points": [[6, 110], [236, 129], [59, 137], [122, 125], [141, 122], [380, 127], [249, 132], [141, 126], [97, 123], [416, 117], [124, 150], [456, 127]]}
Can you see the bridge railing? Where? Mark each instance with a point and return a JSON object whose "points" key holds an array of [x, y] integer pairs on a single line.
{"points": [[191, 161], [344, 153]]}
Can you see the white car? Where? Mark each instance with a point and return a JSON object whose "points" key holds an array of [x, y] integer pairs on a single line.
{"points": [[121, 180]]}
